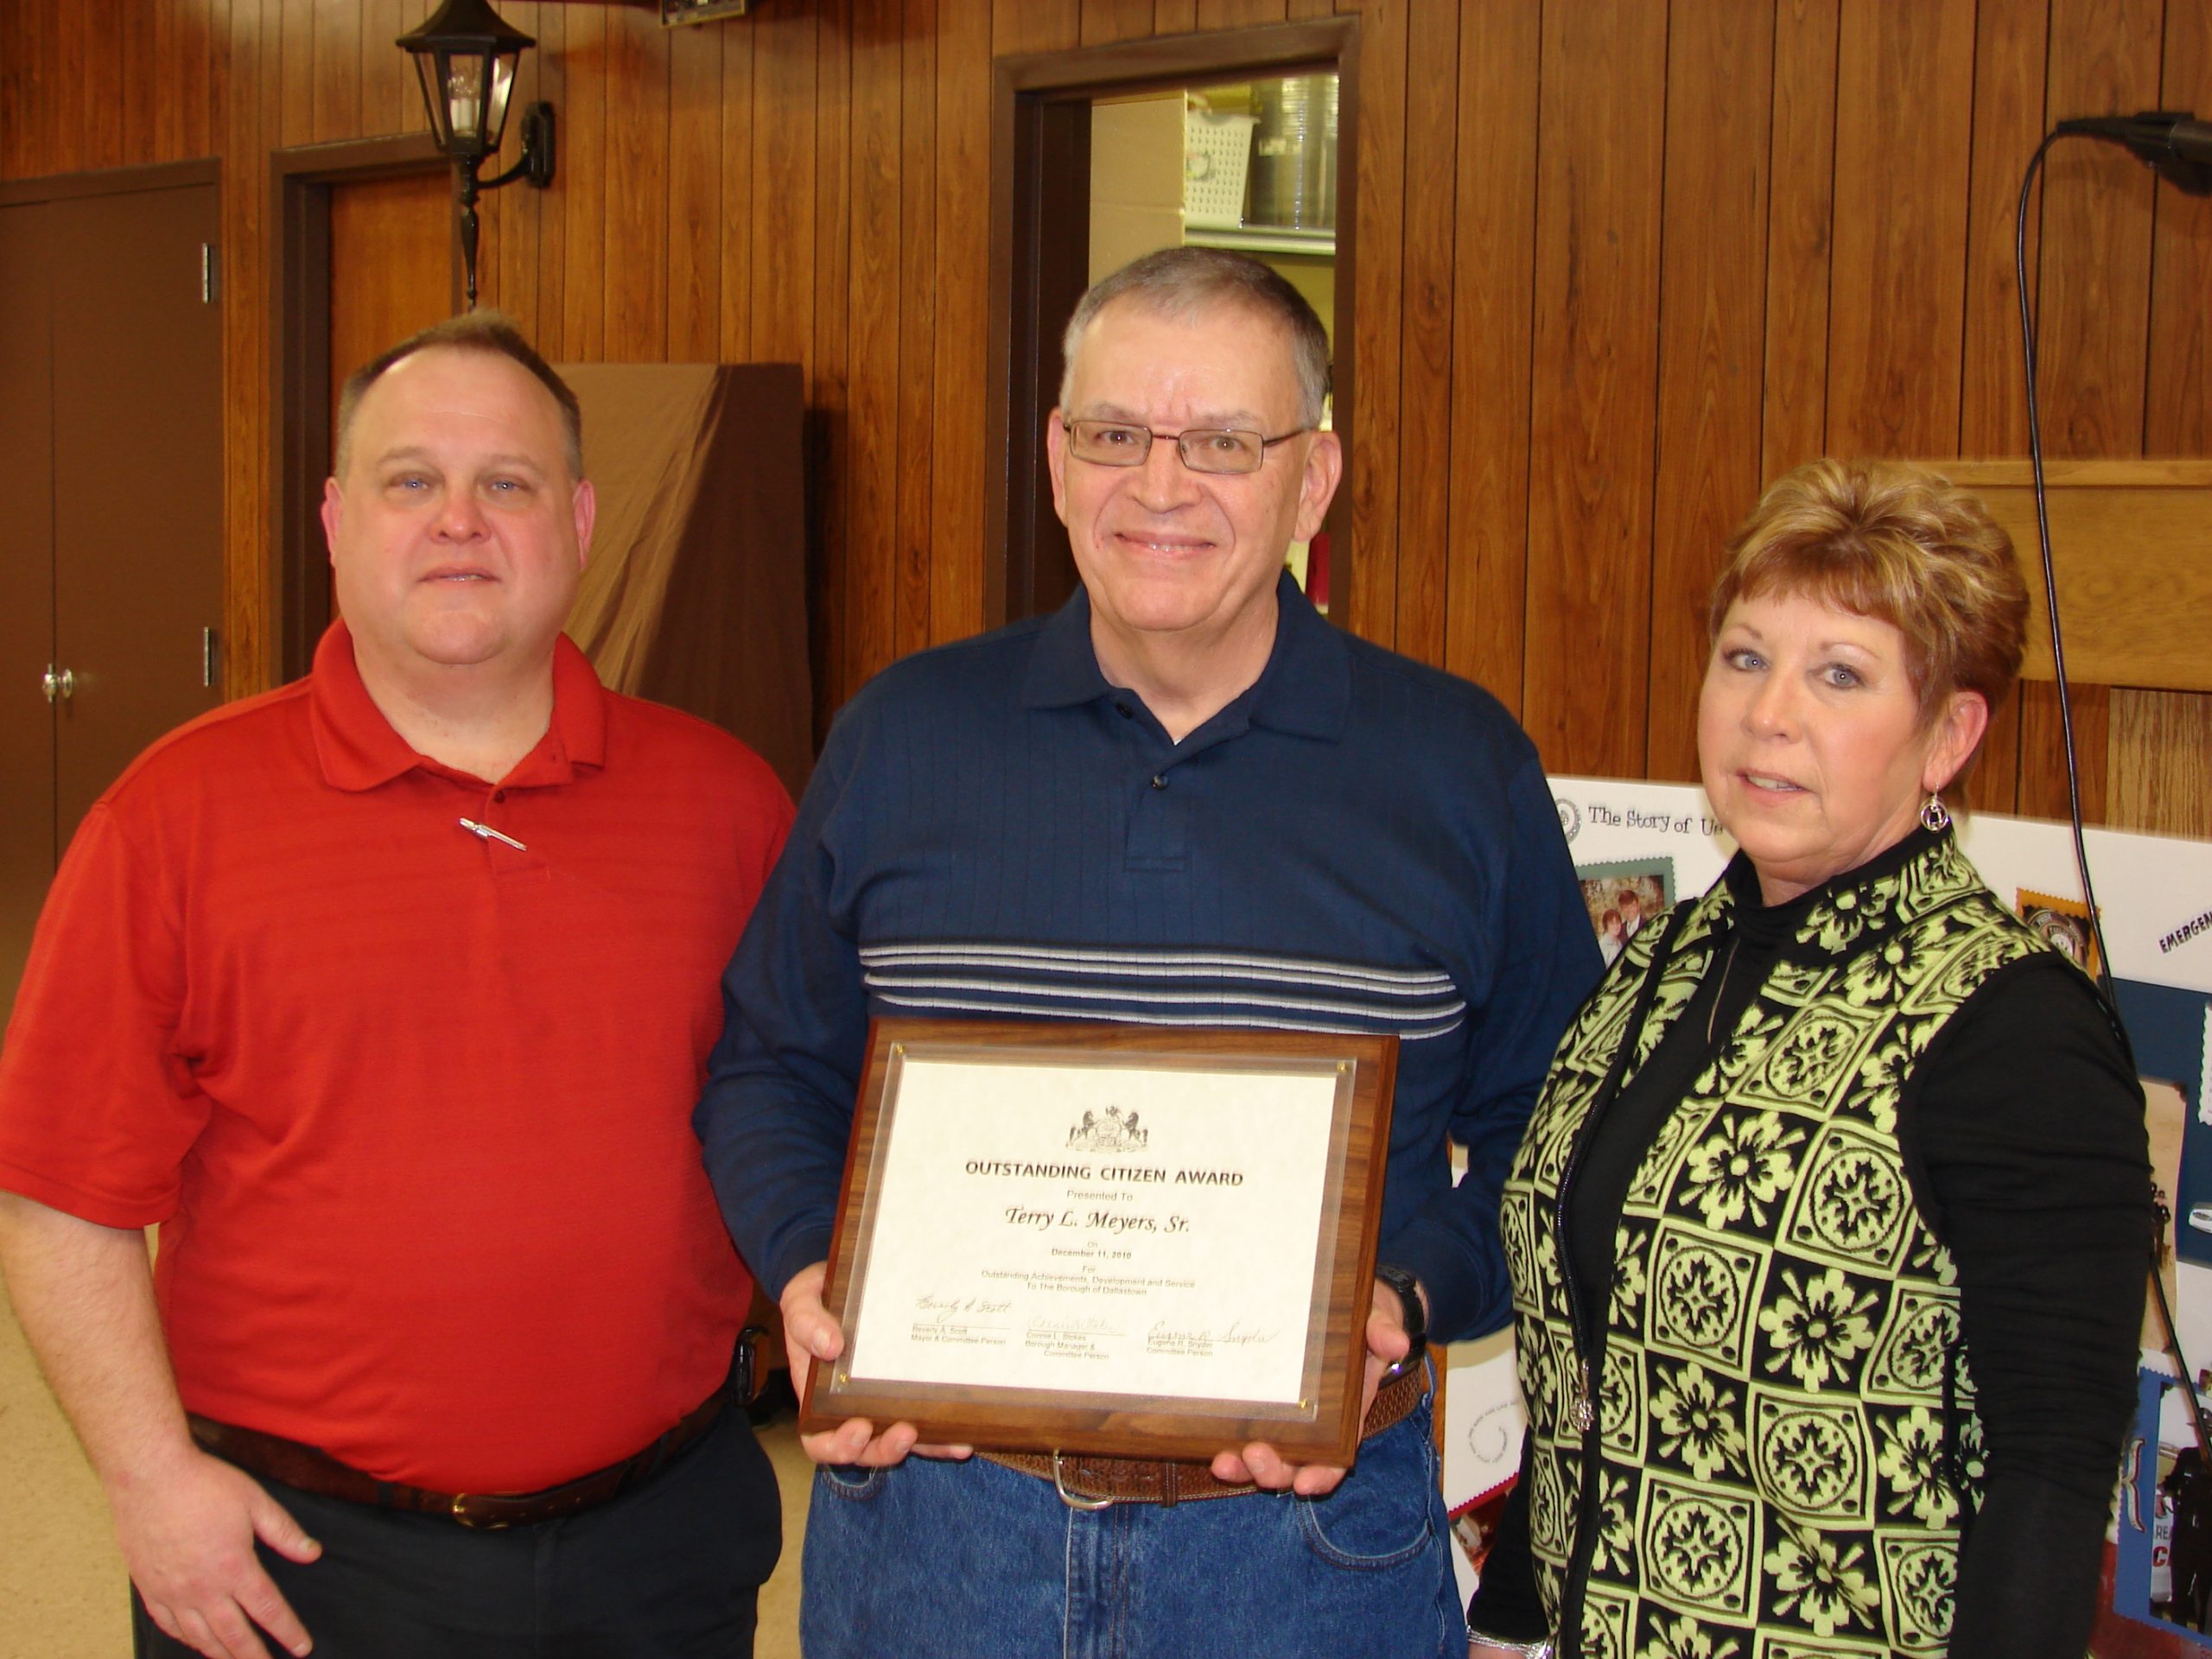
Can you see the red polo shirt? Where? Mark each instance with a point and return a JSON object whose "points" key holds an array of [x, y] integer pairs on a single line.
{"points": [[413, 1105]]}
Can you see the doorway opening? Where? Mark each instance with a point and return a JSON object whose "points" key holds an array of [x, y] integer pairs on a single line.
{"points": [[1242, 138], [363, 257]]}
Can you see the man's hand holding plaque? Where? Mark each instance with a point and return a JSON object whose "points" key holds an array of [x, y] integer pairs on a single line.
{"points": [[811, 1336], [1105, 1239], [1387, 1344]]}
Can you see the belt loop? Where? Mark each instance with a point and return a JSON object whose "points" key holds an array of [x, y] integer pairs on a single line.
{"points": [[1088, 1505]]}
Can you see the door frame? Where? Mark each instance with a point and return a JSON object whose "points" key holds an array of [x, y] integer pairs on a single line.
{"points": [[300, 180], [114, 181], [1040, 256]]}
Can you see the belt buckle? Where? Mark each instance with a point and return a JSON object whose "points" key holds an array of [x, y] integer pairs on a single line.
{"points": [[458, 1510], [1088, 1505]]}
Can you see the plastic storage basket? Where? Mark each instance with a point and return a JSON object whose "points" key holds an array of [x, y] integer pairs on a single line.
{"points": [[1216, 158]]}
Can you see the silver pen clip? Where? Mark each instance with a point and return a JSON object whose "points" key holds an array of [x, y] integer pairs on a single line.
{"points": [[486, 832]]}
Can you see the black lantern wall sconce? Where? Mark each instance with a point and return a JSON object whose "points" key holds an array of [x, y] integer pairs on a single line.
{"points": [[465, 57]]}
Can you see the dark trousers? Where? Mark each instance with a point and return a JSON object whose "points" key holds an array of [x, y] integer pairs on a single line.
{"points": [[670, 1571]]}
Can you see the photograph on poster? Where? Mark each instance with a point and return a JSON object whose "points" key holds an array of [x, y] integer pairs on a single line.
{"points": [[1622, 895], [2062, 922]]}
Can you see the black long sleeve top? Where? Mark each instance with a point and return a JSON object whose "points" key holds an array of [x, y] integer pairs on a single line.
{"points": [[2025, 1147]]}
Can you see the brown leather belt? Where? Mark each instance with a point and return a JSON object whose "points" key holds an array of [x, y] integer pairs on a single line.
{"points": [[313, 1469], [1087, 1482]]}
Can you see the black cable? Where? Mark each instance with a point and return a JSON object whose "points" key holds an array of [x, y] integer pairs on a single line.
{"points": [[2173, 1331], [2050, 582], [2073, 769]]}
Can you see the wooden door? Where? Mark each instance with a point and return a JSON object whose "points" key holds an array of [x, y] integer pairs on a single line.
{"points": [[26, 719], [138, 479], [111, 548]]}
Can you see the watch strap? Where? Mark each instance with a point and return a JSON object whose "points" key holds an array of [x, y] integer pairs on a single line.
{"points": [[1415, 1316]]}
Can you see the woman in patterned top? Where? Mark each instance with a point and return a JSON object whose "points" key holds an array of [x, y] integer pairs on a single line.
{"points": [[1830, 1234]]}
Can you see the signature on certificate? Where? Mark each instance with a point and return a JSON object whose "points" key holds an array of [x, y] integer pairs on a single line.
{"points": [[1073, 1324], [934, 1309], [1166, 1335]]}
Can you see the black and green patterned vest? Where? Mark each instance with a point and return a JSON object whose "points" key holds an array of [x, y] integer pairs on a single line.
{"points": [[1789, 1442]]}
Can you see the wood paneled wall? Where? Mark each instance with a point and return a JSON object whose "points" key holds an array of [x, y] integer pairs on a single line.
{"points": [[1622, 260]]}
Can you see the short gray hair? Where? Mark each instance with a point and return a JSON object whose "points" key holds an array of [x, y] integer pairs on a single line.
{"points": [[1183, 282]]}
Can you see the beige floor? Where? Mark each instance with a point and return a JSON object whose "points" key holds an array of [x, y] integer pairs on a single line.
{"points": [[61, 1583]]}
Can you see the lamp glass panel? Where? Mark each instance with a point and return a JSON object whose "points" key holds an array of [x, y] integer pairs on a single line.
{"points": [[503, 86], [428, 71], [464, 88]]}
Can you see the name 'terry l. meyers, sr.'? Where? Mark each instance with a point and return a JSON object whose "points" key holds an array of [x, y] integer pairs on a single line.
{"points": [[1100, 1220]]}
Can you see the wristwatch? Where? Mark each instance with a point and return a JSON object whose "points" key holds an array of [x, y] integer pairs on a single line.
{"points": [[1416, 1312], [1527, 1649]]}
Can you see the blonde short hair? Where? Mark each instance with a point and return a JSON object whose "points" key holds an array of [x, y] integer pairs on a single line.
{"points": [[1900, 544]]}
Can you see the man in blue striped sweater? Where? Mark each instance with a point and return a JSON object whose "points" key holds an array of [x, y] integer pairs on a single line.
{"points": [[1182, 799]]}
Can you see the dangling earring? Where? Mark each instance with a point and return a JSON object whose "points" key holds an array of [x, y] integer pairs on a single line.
{"points": [[1934, 815]]}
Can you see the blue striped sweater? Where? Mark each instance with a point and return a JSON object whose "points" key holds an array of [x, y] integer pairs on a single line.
{"points": [[1356, 843]]}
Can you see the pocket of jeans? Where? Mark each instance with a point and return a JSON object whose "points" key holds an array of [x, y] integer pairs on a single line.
{"points": [[1381, 1515], [848, 1481]]}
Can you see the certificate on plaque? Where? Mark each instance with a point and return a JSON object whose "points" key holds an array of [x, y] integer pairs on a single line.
{"points": [[1110, 1238]]}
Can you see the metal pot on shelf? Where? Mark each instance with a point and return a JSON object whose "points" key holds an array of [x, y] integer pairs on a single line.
{"points": [[1295, 153]]}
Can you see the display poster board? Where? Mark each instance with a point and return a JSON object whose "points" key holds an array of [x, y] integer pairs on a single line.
{"points": [[1639, 844]]}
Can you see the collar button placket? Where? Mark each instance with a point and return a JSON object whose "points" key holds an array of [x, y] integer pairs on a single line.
{"points": [[1156, 816]]}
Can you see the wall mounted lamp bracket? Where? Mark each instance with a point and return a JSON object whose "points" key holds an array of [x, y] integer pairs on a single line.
{"points": [[534, 167], [465, 56]]}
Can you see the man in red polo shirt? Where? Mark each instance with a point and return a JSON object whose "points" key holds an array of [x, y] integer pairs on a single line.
{"points": [[388, 994]]}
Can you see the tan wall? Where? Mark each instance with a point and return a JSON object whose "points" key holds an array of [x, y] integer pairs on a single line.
{"points": [[1628, 261]]}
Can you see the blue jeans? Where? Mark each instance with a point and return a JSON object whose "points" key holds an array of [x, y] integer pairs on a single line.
{"points": [[971, 1560]]}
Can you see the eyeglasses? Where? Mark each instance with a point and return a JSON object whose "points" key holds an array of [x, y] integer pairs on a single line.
{"points": [[1203, 449]]}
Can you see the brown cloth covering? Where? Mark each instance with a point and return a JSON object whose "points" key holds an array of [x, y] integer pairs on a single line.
{"points": [[695, 594]]}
